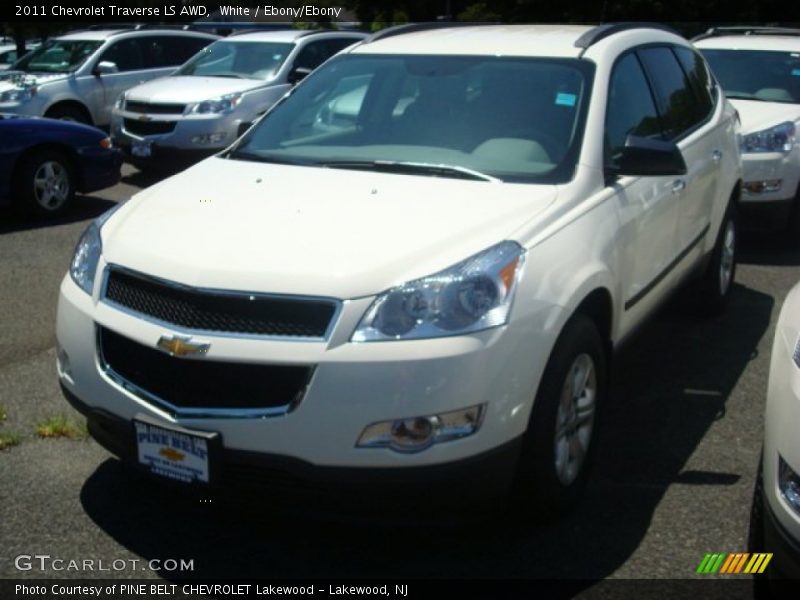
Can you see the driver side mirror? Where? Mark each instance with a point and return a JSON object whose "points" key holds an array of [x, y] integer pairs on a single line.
{"points": [[105, 67], [648, 157], [298, 74]]}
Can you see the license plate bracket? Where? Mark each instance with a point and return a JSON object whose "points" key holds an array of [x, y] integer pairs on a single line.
{"points": [[172, 452]]}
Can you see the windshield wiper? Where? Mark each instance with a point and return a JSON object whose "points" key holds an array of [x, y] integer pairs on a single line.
{"points": [[742, 97], [255, 157], [391, 166]]}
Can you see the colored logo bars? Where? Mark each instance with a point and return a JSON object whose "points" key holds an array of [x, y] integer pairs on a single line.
{"points": [[734, 563]]}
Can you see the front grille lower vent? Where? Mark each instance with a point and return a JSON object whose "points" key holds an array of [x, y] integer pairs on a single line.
{"points": [[200, 387]]}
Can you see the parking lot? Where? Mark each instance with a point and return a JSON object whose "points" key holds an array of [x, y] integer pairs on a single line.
{"points": [[673, 479]]}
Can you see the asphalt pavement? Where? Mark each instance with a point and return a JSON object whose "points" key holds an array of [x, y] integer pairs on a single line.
{"points": [[673, 479]]}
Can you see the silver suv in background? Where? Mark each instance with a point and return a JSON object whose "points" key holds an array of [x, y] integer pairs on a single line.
{"points": [[79, 76], [204, 105]]}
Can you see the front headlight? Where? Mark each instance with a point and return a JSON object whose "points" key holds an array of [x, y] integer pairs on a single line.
{"points": [[18, 94], [780, 138], [83, 267], [472, 295], [222, 104]]}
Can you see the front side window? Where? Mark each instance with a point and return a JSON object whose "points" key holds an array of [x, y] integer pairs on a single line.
{"points": [[757, 74], [515, 119], [676, 101], [127, 55], [631, 109], [700, 80], [57, 56], [245, 60]]}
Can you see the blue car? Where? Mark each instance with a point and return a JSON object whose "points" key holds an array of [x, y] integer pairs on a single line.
{"points": [[43, 162]]}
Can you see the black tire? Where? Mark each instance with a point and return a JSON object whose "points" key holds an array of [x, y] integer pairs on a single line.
{"points": [[541, 485], [755, 534], [68, 112], [713, 290], [793, 227], [44, 184]]}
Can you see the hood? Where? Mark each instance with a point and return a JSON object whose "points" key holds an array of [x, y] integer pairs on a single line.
{"points": [[186, 89], [301, 230], [757, 115]]}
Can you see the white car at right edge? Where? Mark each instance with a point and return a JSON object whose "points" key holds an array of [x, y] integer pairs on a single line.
{"points": [[775, 518], [759, 70]]}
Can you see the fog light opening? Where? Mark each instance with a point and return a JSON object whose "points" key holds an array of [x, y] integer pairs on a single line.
{"points": [[414, 434], [63, 364], [208, 138], [759, 187], [789, 485]]}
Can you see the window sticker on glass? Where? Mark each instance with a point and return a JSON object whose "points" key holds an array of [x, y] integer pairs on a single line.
{"points": [[564, 99], [796, 72]]}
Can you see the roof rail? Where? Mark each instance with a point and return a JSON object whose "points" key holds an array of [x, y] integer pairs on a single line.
{"points": [[745, 30], [260, 30], [600, 32], [415, 27]]}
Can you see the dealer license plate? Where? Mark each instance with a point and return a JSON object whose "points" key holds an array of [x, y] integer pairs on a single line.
{"points": [[177, 455], [141, 148]]}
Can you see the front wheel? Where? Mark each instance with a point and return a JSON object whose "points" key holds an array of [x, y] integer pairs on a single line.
{"points": [[44, 184], [713, 290], [559, 444]]}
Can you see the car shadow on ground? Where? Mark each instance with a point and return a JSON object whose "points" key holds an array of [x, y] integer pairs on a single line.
{"points": [[83, 209], [769, 248], [672, 383]]}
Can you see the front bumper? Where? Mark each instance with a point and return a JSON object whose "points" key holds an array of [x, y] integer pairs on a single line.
{"points": [[100, 169], [180, 143], [353, 386], [478, 483], [784, 547], [771, 166]]}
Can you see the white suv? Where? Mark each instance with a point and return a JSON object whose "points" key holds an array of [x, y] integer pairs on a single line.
{"points": [[759, 69], [415, 268], [200, 109], [79, 76]]}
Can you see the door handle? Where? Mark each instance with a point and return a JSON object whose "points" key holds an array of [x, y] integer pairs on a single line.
{"points": [[678, 186], [716, 155]]}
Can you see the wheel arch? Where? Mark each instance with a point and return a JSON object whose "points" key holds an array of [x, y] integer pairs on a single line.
{"points": [[64, 149], [71, 103]]}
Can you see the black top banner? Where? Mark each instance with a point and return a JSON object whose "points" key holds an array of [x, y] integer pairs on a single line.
{"points": [[30, 13]]}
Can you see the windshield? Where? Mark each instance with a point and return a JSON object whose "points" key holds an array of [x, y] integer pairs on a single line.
{"points": [[514, 119], [757, 74], [58, 56], [247, 60]]}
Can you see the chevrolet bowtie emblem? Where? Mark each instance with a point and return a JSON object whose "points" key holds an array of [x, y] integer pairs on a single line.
{"points": [[172, 454], [181, 346], [144, 118]]}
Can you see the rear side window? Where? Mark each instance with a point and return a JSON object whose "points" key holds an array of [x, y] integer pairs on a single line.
{"points": [[676, 101], [179, 49], [700, 80], [316, 53], [631, 109]]}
